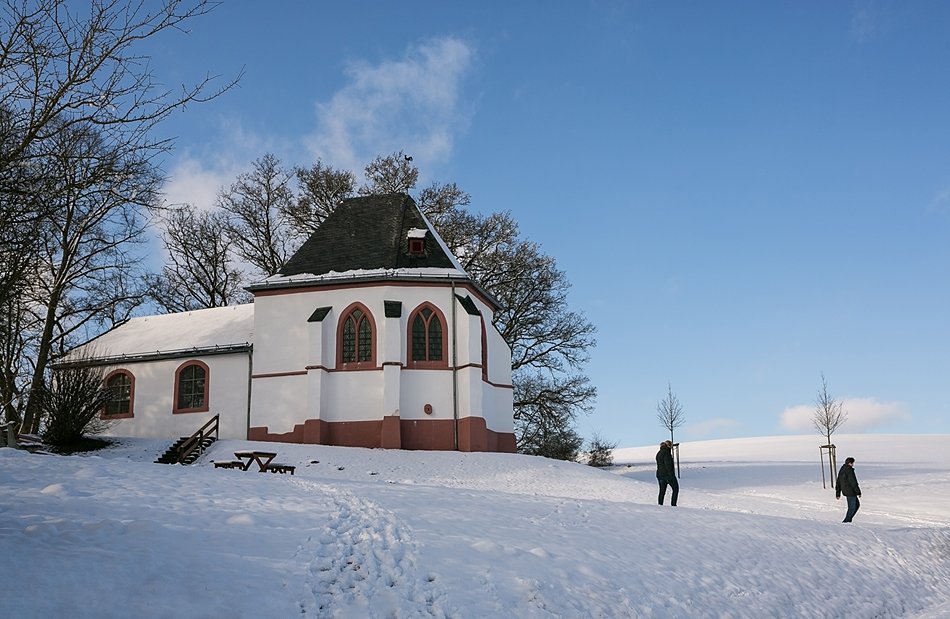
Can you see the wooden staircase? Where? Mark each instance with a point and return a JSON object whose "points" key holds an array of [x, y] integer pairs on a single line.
{"points": [[189, 448]]}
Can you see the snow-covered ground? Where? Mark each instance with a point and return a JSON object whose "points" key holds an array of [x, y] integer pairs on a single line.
{"points": [[375, 533]]}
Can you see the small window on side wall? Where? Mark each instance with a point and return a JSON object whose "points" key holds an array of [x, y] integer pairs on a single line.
{"points": [[191, 388], [121, 384]]}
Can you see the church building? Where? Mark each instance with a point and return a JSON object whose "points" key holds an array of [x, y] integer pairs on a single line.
{"points": [[372, 335]]}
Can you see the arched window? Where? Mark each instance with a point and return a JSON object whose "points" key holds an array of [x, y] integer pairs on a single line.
{"points": [[427, 342], [191, 388], [356, 336], [122, 385]]}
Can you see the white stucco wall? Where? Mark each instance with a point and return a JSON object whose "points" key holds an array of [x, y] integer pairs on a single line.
{"points": [[154, 394], [287, 348]]}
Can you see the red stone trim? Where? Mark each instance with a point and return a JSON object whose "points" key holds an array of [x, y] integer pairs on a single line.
{"points": [[396, 363], [421, 434], [459, 285], [105, 382], [473, 434], [427, 365], [206, 406], [502, 442], [357, 365], [279, 374], [317, 367], [428, 434]]}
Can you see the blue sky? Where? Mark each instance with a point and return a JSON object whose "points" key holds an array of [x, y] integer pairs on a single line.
{"points": [[743, 195]]}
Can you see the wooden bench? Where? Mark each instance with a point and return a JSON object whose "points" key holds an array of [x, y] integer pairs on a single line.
{"points": [[229, 464], [281, 468]]}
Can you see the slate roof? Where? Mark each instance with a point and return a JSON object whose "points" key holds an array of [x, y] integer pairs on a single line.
{"points": [[369, 233]]}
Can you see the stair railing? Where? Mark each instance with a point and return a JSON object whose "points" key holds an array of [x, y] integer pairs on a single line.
{"points": [[196, 440]]}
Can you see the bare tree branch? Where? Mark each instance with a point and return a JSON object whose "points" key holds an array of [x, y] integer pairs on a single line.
{"points": [[829, 412], [200, 272], [257, 203], [321, 189], [669, 412]]}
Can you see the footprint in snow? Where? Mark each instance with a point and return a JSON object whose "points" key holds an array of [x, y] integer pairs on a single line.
{"points": [[364, 563]]}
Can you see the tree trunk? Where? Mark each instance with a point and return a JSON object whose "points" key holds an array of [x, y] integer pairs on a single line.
{"points": [[31, 417]]}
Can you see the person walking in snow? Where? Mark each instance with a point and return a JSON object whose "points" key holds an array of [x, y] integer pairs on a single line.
{"points": [[666, 473], [847, 485]]}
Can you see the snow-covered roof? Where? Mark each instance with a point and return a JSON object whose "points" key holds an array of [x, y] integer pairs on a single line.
{"points": [[200, 330], [306, 278]]}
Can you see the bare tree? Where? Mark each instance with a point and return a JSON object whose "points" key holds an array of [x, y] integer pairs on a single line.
{"points": [[440, 201], [828, 417], [18, 332], [829, 412], [88, 273], [71, 405], [78, 106], [320, 190], [200, 271], [600, 452], [391, 174], [257, 203], [669, 411], [546, 407], [64, 64]]}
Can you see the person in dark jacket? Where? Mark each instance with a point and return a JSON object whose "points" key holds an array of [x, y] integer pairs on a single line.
{"points": [[847, 485], [666, 473]]}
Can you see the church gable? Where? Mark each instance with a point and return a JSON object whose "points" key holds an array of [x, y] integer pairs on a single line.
{"points": [[371, 232]]}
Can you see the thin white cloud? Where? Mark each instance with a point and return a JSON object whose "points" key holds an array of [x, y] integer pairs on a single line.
{"points": [[193, 181], [868, 18], [196, 178], [412, 104], [797, 418], [940, 203], [672, 285], [863, 414], [714, 428]]}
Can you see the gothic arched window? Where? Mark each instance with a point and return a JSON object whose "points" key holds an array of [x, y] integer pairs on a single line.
{"points": [[427, 342], [356, 337]]}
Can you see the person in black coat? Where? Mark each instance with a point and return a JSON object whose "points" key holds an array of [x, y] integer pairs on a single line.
{"points": [[666, 473], [847, 485]]}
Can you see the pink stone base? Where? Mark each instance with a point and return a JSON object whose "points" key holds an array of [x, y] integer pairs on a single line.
{"points": [[395, 433]]}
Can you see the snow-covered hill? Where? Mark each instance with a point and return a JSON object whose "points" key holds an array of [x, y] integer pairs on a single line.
{"points": [[375, 533]]}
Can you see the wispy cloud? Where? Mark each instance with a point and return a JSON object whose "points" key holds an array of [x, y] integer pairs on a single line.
{"points": [[714, 428], [863, 415], [412, 104], [940, 203], [868, 18], [196, 178]]}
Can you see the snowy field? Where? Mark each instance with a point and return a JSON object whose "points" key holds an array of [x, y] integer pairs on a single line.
{"points": [[374, 533]]}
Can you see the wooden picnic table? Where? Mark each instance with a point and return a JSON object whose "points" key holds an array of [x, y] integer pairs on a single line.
{"points": [[263, 458]]}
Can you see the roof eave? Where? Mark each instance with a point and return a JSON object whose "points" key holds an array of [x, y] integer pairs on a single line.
{"points": [[312, 281], [158, 355]]}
